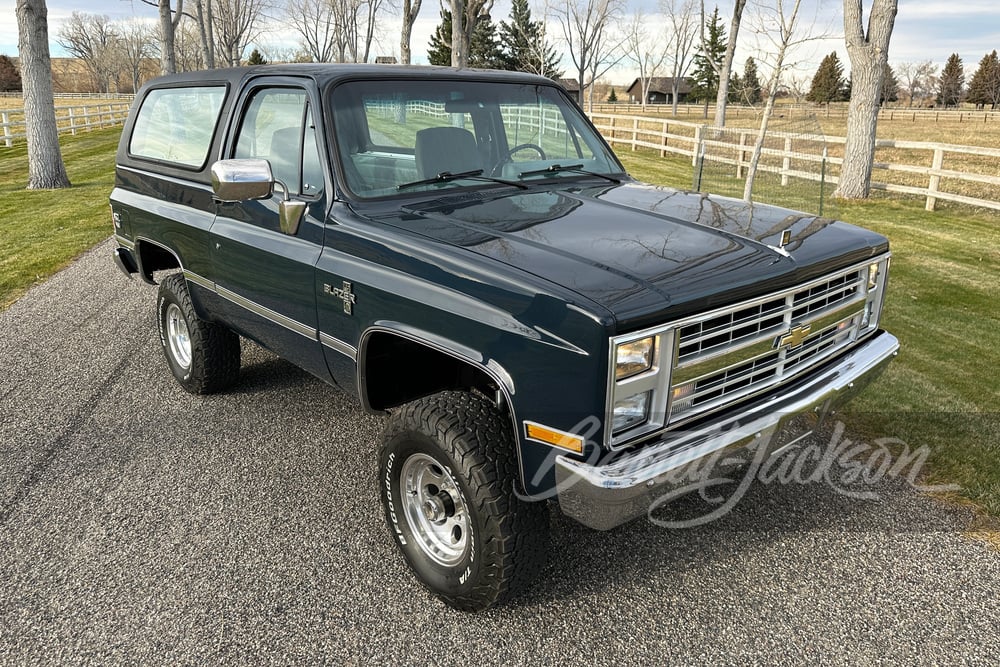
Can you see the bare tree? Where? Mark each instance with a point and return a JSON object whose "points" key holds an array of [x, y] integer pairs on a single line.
{"points": [[465, 15], [93, 39], [586, 27], [919, 79], [136, 44], [776, 21], [189, 51], [410, 10], [169, 20], [647, 52], [798, 85], [722, 96], [314, 21], [204, 17], [683, 17], [868, 51], [236, 25], [45, 163]]}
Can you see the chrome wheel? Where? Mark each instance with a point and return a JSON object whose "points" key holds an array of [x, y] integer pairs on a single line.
{"points": [[178, 337], [435, 510]]}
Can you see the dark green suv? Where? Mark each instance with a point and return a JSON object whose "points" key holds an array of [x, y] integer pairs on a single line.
{"points": [[462, 251]]}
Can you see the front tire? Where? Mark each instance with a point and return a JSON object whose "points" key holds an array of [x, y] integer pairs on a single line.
{"points": [[447, 475], [204, 357]]}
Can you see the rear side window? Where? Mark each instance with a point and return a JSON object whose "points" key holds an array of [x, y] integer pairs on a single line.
{"points": [[176, 124]]}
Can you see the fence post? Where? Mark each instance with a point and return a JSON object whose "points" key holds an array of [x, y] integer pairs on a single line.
{"points": [[612, 129], [786, 161], [72, 122], [697, 144], [635, 132], [932, 188], [6, 129], [822, 179], [666, 130], [741, 155]]}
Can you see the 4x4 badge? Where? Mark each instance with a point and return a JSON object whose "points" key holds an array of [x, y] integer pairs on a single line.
{"points": [[343, 293]]}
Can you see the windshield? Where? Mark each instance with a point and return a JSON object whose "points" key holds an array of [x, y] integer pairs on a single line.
{"points": [[406, 136]]}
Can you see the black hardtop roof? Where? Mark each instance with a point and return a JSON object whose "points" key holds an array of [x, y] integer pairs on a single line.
{"points": [[324, 73]]}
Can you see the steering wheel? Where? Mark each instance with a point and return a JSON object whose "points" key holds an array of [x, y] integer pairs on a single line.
{"points": [[510, 154]]}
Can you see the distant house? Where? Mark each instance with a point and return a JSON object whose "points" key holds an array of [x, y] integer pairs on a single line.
{"points": [[571, 86], [385, 60], [660, 90]]}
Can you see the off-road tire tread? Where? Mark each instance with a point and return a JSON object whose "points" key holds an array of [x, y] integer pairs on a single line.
{"points": [[479, 438], [215, 349]]}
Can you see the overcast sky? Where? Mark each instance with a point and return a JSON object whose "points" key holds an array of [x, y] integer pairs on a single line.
{"points": [[925, 29]]}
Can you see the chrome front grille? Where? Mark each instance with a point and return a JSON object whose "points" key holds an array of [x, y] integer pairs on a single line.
{"points": [[708, 362], [727, 355]]}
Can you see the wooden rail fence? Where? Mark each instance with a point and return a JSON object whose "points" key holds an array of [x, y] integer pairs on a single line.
{"points": [[907, 167], [70, 119]]}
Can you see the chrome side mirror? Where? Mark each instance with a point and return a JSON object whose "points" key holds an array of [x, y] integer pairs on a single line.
{"points": [[242, 179], [251, 178]]}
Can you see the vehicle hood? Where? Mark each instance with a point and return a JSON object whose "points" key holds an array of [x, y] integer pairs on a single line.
{"points": [[644, 253]]}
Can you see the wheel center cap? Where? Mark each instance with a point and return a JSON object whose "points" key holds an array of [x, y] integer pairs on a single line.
{"points": [[433, 509]]}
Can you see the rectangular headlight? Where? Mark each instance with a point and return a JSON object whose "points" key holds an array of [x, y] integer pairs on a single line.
{"points": [[630, 411], [634, 357]]}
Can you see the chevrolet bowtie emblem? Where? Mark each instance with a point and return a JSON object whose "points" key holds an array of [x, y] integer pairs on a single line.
{"points": [[794, 337], [344, 293]]}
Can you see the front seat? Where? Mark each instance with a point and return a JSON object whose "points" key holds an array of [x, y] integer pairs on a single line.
{"points": [[284, 156], [451, 149]]}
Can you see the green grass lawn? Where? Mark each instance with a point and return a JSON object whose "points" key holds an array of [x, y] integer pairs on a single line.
{"points": [[43, 230], [941, 391]]}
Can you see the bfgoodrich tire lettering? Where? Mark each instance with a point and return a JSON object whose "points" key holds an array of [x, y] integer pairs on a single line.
{"points": [[204, 357], [478, 543]]}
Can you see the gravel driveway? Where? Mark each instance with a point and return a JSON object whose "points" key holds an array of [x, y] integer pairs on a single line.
{"points": [[139, 524]]}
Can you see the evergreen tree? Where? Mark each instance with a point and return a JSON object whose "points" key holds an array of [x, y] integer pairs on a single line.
{"points": [[890, 86], [984, 88], [439, 51], [735, 89], [10, 78], [952, 82], [828, 82], [256, 58], [705, 77], [612, 97], [524, 45], [484, 49], [751, 92]]}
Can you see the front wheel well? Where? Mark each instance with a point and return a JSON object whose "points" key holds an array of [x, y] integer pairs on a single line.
{"points": [[396, 370]]}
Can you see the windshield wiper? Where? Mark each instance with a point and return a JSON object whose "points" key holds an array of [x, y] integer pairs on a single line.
{"points": [[447, 176], [576, 168]]}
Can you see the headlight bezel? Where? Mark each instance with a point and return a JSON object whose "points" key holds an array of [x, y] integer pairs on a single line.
{"points": [[653, 381]]}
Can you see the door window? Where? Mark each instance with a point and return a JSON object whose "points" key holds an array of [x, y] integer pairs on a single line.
{"points": [[278, 127]]}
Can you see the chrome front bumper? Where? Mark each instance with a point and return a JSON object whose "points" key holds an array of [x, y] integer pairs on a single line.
{"points": [[622, 488]]}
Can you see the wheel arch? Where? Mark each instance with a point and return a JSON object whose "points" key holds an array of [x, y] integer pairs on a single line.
{"points": [[383, 349], [151, 256]]}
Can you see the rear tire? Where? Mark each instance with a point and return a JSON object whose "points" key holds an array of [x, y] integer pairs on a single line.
{"points": [[447, 480], [203, 356]]}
